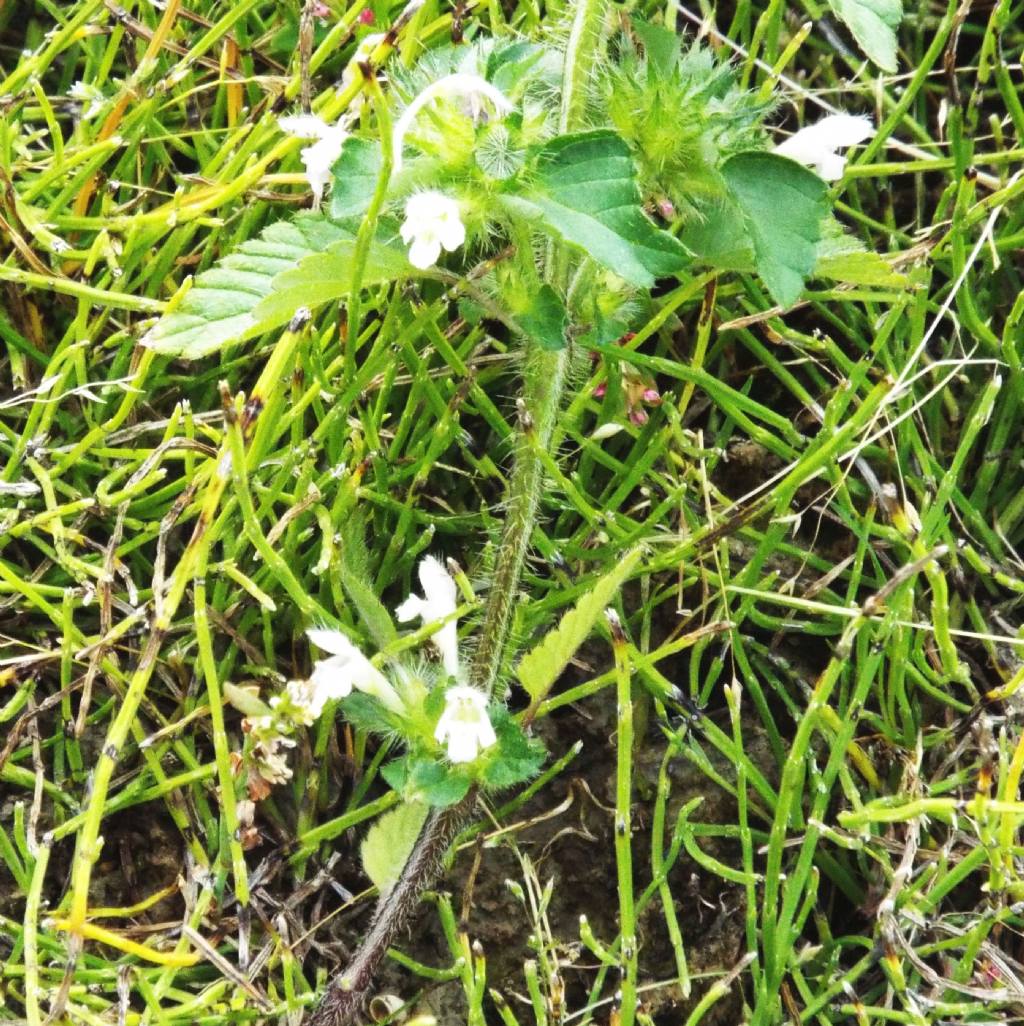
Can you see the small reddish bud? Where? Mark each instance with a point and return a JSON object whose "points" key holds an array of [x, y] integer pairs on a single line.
{"points": [[366, 16], [601, 390]]}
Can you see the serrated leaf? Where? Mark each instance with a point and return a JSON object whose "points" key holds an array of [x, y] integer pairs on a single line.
{"points": [[389, 842], [516, 757], [583, 187], [323, 277], [873, 24], [250, 291], [784, 205], [219, 308], [542, 665], [356, 173], [426, 780], [435, 783]]}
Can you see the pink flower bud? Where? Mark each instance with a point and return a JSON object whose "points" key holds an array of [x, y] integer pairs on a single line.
{"points": [[652, 395], [366, 16], [638, 417], [601, 390]]}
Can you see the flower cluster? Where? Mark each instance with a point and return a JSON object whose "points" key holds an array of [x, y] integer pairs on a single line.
{"points": [[463, 728], [433, 220]]}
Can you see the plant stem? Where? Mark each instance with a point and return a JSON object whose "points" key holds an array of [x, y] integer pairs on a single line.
{"points": [[624, 824], [543, 386]]}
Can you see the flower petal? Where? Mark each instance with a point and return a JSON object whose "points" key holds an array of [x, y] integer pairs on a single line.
{"points": [[452, 233], [332, 679], [831, 166], [843, 130], [462, 747], [411, 608], [305, 126], [330, 640], [424, 252], [438, 586]]}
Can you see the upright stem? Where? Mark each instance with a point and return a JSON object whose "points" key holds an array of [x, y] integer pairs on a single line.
{"points": [[624, 824], [538, 413], [543, 386]]}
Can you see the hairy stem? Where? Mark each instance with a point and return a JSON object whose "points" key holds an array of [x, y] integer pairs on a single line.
{"points": [[543, 386]]}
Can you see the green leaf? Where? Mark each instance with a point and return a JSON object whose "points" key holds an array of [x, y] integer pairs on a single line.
{"points": [[583, 188], [357, 581], [860, 269], [720, 238], [256, 289], [426, 779], [389, 842], [515, 758], [356, 174], [784, 205], [437, 784], [323, 277], [219, 308], [873, 24], [542, 666], [509, 67], [366, 713], [842, 257], [396, 773], [545, 318], [660, 44]]}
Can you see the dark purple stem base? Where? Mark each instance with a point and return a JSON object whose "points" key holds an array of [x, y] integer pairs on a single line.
{"points": [[345, 998]]}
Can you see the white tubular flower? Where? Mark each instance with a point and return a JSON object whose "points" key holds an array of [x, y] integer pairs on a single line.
{"points": [[472, 87], [319, 157], [345, 669], [437, 603], [817, 145], [464, 725], [431, 222]]}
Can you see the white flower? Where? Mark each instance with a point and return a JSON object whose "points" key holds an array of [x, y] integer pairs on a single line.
{"points": [[319, 157], [472, 87], [464, 724], [301, 702], [345, 669], [431, 221], [817, 145], [438, 603]]}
